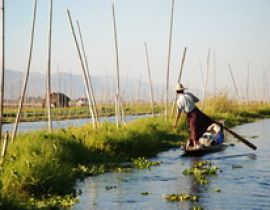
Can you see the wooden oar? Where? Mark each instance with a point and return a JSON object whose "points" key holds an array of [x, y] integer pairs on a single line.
{"points": [[236, 135]]}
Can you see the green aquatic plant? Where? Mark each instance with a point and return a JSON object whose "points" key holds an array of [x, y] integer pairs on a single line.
{"points": [[110, 187], [92, 170], [196, 208], [54, 202], [181, 197], [142, 163], [145, 193], [201, 170], [217, 189], [236, 166]]}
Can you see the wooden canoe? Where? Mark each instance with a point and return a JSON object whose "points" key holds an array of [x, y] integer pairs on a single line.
{"points": [[203, 150]]}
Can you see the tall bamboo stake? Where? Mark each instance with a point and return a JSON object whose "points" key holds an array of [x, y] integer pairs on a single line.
{"points": [[71, 84], [49, 66], [214, 73], [168, 64], [26, 78], [179, 77], [247, 87], [233, 80], [202, 74], [89, 78], [267, 85], [123, 111], [59, 79], [264, 88], [150, 79], [139, 90], [4, 148], [117, 104], [206, 78], [2, 74], [83, 70]]}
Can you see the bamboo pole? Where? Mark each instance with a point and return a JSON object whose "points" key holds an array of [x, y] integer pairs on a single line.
{"points": [[26, 78], [71, 85], [89, 78], [49, 66], [83, 70], [59, 82], [2, 74], [179, 77], [206, 78], [168, 64], [214, 73], [150, 79], [117, 104], [123, 112], [139, 90], [233, 80], [4, 148], [247, 87]]}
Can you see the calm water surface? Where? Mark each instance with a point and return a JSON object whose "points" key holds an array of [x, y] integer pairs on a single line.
{"points": [[244, 188], [29, 126]]}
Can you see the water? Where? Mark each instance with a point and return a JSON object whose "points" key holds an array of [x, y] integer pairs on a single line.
{"points": [[247, 187], [29, 126]]}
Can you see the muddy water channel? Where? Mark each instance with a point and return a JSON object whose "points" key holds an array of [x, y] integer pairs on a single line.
{"points": [[244, 181]]}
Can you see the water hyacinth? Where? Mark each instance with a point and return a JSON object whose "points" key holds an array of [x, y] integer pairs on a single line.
{"points": [[200, 170], [145, 193], [217, 189], [181, 197], [54, 202], [142, 163], [196, 208], [93, 170]]}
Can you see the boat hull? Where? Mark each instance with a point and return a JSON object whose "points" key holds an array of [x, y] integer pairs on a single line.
{"points": [[203, 151]]}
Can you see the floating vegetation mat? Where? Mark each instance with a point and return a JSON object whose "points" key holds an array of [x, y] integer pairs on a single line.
{"points": [[196, 208], [54, 202], [142, 163], [92, 170], [145, 193], [181, 197], [201, 170]]}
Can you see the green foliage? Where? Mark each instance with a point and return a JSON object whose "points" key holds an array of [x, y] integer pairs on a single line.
{"points": [[181, 197], [201, 170], [196, 208], [142, 163]]}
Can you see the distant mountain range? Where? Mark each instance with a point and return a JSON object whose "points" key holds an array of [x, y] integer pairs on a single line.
{"points": [[73, 86]]}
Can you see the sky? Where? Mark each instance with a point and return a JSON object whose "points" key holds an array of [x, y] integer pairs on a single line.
{"points": [[236, 31]]}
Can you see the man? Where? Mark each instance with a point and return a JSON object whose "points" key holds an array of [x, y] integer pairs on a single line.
{"points": [[197, 121]]}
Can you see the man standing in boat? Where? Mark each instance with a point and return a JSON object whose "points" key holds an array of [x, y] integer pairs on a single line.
{"points": [[197, 121]]}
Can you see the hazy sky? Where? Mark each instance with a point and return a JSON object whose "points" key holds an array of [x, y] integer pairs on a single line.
{"points": [[237, 30]]}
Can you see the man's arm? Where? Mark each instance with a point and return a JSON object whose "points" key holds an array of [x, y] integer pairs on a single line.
{"points": [[177, 117]]}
